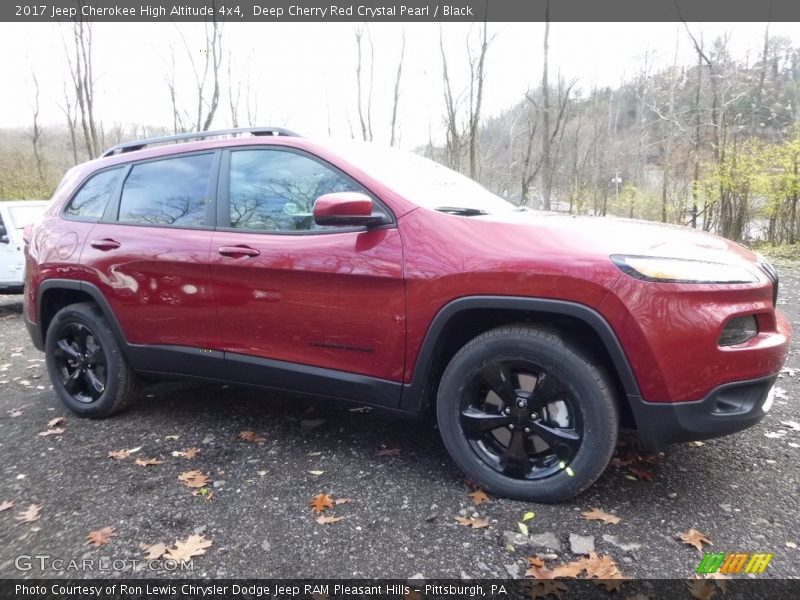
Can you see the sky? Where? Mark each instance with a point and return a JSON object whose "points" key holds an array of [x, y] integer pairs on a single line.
{"points": [[304, 73]]}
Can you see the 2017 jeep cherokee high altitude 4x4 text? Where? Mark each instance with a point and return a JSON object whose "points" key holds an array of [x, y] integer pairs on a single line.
{"points": [[375, 275]]}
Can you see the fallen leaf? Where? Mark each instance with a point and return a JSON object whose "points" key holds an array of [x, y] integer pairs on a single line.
{"points": [[16, 412], [523, 529], [30, 514], [788, 544], [101, 536], [695, 538], [5, 505], [528, 516], [339, 501], [601, 567], [696, 444], [596, 514], [313, 453], [544, 588], [194, 478], [478, 497], [171, 437], [535, 561], [119, 454], [793, 425], [702, 590], [148, 462], [472, 522], [53, 422], [769, 434], [204, 494], [251, 436], [56, 431], [641, 474], [316, 472], [153, 551], [322, 520], [389, 452], [188, 453], [195, 545], [320, 502]]}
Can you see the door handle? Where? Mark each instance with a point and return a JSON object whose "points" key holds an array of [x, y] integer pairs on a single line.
{"points": [[105, 244], [238, 251]]}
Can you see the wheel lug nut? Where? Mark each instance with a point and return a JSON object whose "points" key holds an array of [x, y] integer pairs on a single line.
{"points": [[511, 426], [527, 430], [534, 416], [507, 411], [521, 404]]}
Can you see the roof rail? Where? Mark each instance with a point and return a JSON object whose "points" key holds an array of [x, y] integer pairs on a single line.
{"points": [[196, 135]]}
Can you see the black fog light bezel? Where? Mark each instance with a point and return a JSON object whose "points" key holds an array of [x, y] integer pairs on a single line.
{"points": [[738, 331]]}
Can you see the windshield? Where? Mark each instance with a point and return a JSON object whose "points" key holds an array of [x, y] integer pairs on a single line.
{"points": [[25, 215], [421, 180]]}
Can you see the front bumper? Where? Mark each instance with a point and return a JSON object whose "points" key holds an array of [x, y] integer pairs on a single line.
{"points": [[726, 409]]}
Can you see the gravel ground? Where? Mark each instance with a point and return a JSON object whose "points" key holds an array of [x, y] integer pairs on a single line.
{"points": [[740, 491]]}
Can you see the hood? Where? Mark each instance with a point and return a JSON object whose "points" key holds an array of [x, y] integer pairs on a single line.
{"points": [[611, 235]]}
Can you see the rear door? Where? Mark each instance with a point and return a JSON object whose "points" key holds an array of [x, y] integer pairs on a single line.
{"points": [[149, 255], [292, 291]]}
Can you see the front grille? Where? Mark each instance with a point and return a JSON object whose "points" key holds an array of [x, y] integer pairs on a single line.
{"points": [[772, 273]]}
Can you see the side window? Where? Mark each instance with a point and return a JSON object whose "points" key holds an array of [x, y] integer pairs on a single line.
{"points": [[275, 190], [90, 202], [167, 192]]}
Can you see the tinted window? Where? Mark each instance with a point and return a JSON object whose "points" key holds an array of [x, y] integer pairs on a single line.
{"points": [[90, 202], [273, 190], [167, 192]]}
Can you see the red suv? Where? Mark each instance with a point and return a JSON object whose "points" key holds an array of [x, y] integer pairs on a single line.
{"points": [[374, 275]]}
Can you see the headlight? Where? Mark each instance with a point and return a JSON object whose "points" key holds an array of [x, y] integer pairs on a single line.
{"points": [[679, 270]]}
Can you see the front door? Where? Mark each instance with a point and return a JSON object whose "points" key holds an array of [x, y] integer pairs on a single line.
{"points": [[296, 296]]}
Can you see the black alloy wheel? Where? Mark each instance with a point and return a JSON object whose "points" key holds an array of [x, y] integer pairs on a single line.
{"points": [[81, 363], [521, 420], [528, 415]]}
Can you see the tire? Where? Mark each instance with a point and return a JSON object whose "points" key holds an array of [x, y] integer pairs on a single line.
{"points": [[85, 363], [550, 449]]}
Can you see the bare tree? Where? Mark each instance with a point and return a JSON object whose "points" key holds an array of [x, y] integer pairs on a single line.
{"points": [[477, 75], [234, 95], [81, 72], [547, 181], [453, 134], [69, 112], [206, 75], [396, 88], [364, 115], [36, 130]]}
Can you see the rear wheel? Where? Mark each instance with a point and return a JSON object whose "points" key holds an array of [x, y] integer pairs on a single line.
{"points": [[527, 416], [86, 366]]}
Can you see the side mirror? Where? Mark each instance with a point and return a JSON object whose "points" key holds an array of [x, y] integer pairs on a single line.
{"points": [[347, 209]]}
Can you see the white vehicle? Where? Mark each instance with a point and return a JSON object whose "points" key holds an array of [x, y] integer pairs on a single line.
{"points": [[14, 216]]}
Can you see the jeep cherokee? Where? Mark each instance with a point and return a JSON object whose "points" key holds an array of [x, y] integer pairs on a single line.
{"points": [[374, 275]]}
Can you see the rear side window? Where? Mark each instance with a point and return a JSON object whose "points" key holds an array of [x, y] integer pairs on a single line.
{"points": [[90, 201], [169, 192]]}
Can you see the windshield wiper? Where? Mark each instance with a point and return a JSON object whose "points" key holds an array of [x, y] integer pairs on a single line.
{"points": [[461, 211]]}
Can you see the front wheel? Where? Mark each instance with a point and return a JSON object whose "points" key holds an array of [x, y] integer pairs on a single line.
{"points": [[526, 415], [86, 366]]}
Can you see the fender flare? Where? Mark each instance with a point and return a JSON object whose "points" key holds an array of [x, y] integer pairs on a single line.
{"points": [[87, 288], [412, 398]]}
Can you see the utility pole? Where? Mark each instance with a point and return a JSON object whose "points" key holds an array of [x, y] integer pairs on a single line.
{"points": [[616, 181]]}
